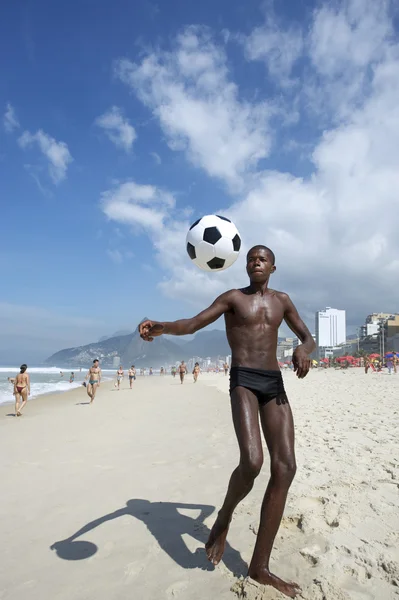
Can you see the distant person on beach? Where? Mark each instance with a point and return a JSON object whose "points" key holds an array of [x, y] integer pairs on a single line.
{"points": [[119, 377], [173, 371], [162, 372], [395, 362], [21, 389], [151, 371], [11, 379], [132, 376], [61, 374], [366, 364], [72, 377], [253, 316], [226, 368], [182, 370], [196, 372], [94, 377]]}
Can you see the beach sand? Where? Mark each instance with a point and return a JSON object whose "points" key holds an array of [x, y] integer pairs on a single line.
{"points": [[115, 500]]}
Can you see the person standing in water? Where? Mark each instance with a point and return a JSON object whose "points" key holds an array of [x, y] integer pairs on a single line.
{"points": [[21, 390], [253, 316], [94, 377]]}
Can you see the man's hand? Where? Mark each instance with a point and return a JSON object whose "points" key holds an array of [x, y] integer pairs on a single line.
{"points": [[301, 362], [150, 329]]}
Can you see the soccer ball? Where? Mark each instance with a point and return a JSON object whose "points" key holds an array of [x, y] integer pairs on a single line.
{"points": [[213, 243]]}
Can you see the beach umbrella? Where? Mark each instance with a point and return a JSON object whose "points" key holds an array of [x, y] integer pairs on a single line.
{"points": [[389, 355]]}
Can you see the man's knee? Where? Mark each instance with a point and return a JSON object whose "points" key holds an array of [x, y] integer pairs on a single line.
{"points": [[283, 469], [251, 465]]}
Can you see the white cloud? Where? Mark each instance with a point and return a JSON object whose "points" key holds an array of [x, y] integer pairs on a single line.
{"points": [[10, 119], [143, 206], [156, 157], [57, 153], [280, 48], [199, 108], [117, 128], [334, 231]]}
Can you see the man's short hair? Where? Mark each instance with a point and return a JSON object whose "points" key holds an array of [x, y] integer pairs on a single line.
{"points": [[95, 360], [263, 248]]}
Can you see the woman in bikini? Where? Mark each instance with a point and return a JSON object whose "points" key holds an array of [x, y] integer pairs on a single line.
{"points": [[196, 372], [21, 390], [119, 376]]}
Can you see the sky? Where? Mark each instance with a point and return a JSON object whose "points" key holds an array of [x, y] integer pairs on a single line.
{"points": [[123, 122]]}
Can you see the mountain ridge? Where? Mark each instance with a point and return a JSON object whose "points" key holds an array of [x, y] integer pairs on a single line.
{"points": [[131, 349]]}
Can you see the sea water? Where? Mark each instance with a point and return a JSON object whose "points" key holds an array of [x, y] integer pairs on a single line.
{"points": [[43, 380]]}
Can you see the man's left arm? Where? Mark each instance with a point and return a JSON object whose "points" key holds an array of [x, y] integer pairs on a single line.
{"points": [[300, 357], [99, 376]]}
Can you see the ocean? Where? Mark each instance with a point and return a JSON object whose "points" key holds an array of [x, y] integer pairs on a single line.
{"points": [[44, 380]]}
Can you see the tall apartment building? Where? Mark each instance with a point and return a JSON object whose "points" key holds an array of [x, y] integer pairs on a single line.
{"points": [[330, 327]]}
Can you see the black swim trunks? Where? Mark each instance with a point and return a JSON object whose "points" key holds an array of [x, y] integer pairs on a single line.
{"points": [[266, 385]]}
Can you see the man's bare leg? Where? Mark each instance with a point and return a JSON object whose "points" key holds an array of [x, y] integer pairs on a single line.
{"points": [[93, 392], [244, 406], [89, 390], [278, 429]]}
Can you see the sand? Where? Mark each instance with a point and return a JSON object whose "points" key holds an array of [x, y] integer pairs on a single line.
{"points": [[115, 500]]}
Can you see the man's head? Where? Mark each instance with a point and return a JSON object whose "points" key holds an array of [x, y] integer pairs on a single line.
{"points": [[95, 362], [260, 263]]}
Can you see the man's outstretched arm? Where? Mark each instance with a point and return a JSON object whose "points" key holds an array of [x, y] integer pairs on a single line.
{"points": [[150, 329], [301, 354]]}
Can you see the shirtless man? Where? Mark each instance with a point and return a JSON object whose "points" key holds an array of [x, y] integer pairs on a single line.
{"points": [[132, 375], [252, 317], [182, 370], [226, 368], [94, 377], [21, 389]]}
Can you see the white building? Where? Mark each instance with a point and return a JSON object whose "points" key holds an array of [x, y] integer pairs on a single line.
{"points": [[330, 327]]}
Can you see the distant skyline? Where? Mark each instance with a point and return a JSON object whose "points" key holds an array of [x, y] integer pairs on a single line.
{"points": [[122, 123]]}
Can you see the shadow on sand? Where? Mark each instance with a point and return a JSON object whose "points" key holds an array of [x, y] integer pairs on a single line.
{"points": [[167, 525]]}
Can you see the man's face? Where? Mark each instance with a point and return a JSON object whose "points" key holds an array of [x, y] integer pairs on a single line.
{"points": [[259, 265], [96, 363]]}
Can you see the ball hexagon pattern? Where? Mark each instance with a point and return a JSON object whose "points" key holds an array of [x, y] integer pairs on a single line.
{"points": [[213, 243]]}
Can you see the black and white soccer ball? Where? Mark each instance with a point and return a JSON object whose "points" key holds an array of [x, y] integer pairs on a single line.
{"points": [[213, 243]]}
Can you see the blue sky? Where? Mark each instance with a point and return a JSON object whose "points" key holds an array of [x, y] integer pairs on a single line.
{"points": [[283, 117]]}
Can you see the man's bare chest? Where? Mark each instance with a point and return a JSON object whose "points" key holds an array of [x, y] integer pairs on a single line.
{"points": [[256, 310]]}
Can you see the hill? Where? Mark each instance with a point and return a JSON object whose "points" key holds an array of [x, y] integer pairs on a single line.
{"points": [[131, 349]]}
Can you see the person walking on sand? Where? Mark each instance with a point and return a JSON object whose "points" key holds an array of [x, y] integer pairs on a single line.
{"points": [[366, 364], [173, 371], [21, 389], [119, 377], [182, 370], [72, 377], [196, 372], [253, 316], [94, 377], [226, 368], [132, 376]]}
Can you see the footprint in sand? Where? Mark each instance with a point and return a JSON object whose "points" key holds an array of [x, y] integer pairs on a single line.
{"points": [[174, 590]]}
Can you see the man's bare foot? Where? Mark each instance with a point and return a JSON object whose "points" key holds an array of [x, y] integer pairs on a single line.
{"points": [[264, 577], [217, 541]]}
